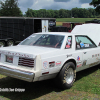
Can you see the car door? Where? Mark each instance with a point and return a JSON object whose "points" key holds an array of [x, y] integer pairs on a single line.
{"points": [[90, 52]]}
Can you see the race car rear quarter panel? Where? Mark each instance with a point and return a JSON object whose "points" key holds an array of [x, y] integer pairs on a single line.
{"points": [[54, 61]]}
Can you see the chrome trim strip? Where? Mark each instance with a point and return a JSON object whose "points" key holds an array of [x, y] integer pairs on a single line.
{"points": [[15, 73]]}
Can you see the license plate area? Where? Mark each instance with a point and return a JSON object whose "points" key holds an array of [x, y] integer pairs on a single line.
{"points": [[9, 59]]}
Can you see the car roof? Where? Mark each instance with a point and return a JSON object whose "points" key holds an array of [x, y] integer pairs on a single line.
{"points": [[58, 33]]}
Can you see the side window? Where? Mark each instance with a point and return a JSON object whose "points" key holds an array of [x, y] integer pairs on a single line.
{"points": [[83, 42], [69, 42]]}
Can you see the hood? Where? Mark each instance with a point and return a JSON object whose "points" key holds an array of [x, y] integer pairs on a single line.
{"points": [[26, 51]]}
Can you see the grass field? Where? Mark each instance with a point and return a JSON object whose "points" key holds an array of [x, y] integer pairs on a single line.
{"points": [[86, 87], [59, 21]]}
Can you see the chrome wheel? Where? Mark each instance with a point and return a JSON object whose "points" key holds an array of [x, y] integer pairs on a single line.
{"points": [[69, 76]]}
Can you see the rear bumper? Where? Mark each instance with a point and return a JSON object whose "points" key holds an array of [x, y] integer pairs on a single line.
{"points": [[15, 73]]}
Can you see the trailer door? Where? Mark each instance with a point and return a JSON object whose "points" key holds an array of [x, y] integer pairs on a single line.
{"points": [[44, 25]]}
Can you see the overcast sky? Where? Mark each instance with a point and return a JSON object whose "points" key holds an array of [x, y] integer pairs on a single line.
{"points": [[53, 4]]}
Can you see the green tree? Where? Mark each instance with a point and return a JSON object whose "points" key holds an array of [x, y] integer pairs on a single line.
{"points": [[10, 8], [29, 13], [35, 13], [56, 13], [52, 14], [48, 14], [75, 12], [61, 13], [42, 13], [96, 4], [92, 12]]}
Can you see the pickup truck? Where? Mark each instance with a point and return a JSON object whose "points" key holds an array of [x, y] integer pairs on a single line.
{"points": [[51, 55]]}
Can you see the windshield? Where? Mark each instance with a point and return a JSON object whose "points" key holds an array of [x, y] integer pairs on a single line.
{"points": [[45, 40]]}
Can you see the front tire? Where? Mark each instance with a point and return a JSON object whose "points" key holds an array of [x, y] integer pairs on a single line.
{"points": [[67, 76]]}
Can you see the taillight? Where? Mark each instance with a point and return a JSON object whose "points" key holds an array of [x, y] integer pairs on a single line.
{"points": [[26, 62]]}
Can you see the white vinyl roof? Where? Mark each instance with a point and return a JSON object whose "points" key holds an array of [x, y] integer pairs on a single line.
{"points": [[91, 30]]}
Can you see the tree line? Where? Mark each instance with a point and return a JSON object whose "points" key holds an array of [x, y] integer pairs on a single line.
{"points": [[62, 13], [10, 8]]}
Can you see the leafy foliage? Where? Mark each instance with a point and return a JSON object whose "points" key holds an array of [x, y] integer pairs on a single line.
{"points": [[96, 4], [10, 8], [63, 13]]}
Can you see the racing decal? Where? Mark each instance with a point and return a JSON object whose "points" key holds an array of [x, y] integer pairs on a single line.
{"points": [[79, 65], [84, 62], [95, 55], [58, 63], [67, 46], [79, 62], [45, 64], [86, 45], [52, 64], [69, 55], [78, 58]]}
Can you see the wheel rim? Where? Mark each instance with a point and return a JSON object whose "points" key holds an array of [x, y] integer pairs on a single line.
{"points": [[69, 76], [1, 44], [10, 43]]}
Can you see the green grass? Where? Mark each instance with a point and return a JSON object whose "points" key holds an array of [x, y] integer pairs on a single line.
{"points": [[86, 87], [80, 20], [59, 21], [89, 83]]}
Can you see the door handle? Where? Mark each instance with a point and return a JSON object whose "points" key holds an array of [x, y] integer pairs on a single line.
{"points": [[84, 52]]}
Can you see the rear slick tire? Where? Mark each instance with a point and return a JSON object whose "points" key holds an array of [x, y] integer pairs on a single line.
{"points": [[67, 76]]}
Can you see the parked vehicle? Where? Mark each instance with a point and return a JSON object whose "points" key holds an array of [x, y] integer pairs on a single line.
{"points": [[93, 21], [14, 29], [70, 25], [55, 55]]}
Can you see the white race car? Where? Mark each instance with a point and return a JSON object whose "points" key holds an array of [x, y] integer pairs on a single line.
{"points": [[50, 55]]}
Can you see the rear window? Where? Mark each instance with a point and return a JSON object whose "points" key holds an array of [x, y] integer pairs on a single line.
{"points": [[45, 40]]}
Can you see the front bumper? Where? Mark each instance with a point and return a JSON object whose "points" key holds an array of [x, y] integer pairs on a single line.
{"points": [[15, 73]]}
